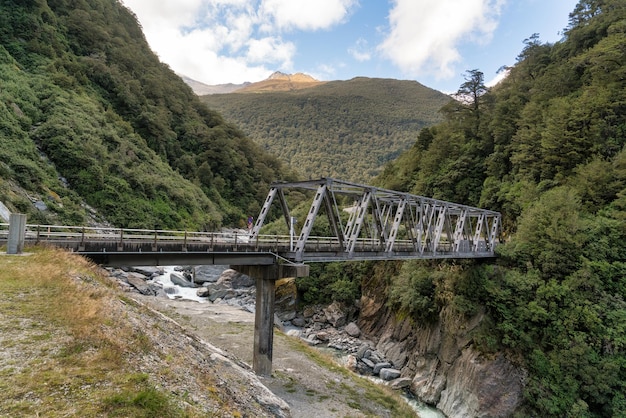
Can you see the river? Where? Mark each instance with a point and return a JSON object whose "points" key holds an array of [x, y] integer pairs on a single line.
{"points": [[174, 291]]}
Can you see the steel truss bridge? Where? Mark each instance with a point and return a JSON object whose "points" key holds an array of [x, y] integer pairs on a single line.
{"points": [[345, 221], [379, 224]]}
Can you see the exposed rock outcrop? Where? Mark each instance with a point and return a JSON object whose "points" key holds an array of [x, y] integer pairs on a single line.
{"points": [[445, 368]]}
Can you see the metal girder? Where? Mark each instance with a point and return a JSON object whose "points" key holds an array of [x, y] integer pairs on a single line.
{"points": [[263, 214], [396, 225], [308, 223], [383, 221], [361, 210]]}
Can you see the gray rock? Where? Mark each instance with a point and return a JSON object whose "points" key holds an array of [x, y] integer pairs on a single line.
{"points": [[210, 273], [139, 283], [40, 205], [170, 290], [353, 330], [335, 314], [322, 336], [379, 366], [203, 292], [375, 357], [298, 321], [147, 271], [362, 351], [236, 280], [309, 311], [368, 362], [389, 374], [220, 294], [286, 316], [180, 280], [400, 383]]}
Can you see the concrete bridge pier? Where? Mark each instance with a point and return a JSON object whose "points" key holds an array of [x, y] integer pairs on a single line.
{"points": [[266, 277]]}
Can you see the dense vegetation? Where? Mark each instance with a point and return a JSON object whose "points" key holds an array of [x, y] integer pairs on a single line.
{"points": [[88, 113], [342, 129], [546, 148]]}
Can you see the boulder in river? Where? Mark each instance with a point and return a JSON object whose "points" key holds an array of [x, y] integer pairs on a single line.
{"points": [[180, 280]]}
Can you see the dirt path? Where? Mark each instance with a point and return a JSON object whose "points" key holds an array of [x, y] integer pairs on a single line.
{"points": [[311, 388]]}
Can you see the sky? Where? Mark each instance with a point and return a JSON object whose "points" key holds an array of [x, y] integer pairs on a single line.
{"points": [[434, 42]]}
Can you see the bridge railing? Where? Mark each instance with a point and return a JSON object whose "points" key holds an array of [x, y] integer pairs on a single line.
{"points": [[320, 248]]}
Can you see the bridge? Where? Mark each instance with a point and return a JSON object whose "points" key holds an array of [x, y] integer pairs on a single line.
{"points": [[342, 221]]}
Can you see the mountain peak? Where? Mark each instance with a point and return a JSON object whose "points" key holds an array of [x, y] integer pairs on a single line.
{"points": [[279, 81], [297, 77]]}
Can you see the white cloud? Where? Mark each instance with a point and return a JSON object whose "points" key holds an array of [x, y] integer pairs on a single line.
{"points": [[220, 41], [424, 35], [271, 49], [360, 51], [305, 14]]}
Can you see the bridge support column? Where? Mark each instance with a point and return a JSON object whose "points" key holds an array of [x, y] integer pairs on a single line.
{"points": [[266, 277], [264, 321]]}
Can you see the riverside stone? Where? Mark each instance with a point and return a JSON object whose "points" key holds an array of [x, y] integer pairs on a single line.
{"points": [[180, 280], [138, 281], [353, 330], [400, 383], [368, 362], [389, 374], [235, 280], [335, 315], [203, 292], [379, 366], [210, 273], [148, 271]]}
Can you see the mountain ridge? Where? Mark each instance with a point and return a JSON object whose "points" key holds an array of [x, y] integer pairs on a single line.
{"points": [[347, 129]]}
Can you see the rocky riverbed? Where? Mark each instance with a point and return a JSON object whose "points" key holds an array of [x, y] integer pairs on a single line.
{"points": [[218, 304]]}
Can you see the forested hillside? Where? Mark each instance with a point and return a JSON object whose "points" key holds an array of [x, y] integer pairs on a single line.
{"points": [[342, 129], [546, 148], [89, 114]]}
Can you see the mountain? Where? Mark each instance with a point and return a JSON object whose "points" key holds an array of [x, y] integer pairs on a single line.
{"points": [[281, 82], [343, 129], [89, 118], [201, 89]]}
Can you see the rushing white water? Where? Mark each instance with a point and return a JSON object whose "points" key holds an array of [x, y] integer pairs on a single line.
{"points": [[174, 291]]}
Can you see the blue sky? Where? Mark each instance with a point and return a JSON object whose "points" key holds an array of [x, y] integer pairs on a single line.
{"points": [[430, 41]]}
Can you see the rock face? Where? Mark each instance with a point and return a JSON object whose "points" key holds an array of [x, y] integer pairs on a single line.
{"points": [[446, 370]]}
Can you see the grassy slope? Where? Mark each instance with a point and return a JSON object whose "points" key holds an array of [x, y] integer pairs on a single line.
{"points": [[73, 345]]}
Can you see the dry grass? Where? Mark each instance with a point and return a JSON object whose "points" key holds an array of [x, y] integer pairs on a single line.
{"points": [[63, 348], [360, 387]]}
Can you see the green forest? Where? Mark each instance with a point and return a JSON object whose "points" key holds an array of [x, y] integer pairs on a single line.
{"points": [[546, 148], [346, 130], [89, 116], [92, 124]]}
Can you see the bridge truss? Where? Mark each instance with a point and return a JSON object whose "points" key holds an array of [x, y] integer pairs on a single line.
{"points": [[369, 223]]}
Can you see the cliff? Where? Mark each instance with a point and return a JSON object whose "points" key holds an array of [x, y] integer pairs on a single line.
{"points": [[440, 358]]}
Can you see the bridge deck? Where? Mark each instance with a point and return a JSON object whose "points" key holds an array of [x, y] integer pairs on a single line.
{"points": [[123, 247]]}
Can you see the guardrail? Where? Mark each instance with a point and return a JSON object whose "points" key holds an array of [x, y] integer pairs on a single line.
{"points": [[93, 239]]}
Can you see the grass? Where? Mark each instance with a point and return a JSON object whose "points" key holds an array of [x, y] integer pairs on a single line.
{"points": [[60, 357], [359, 388]]}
